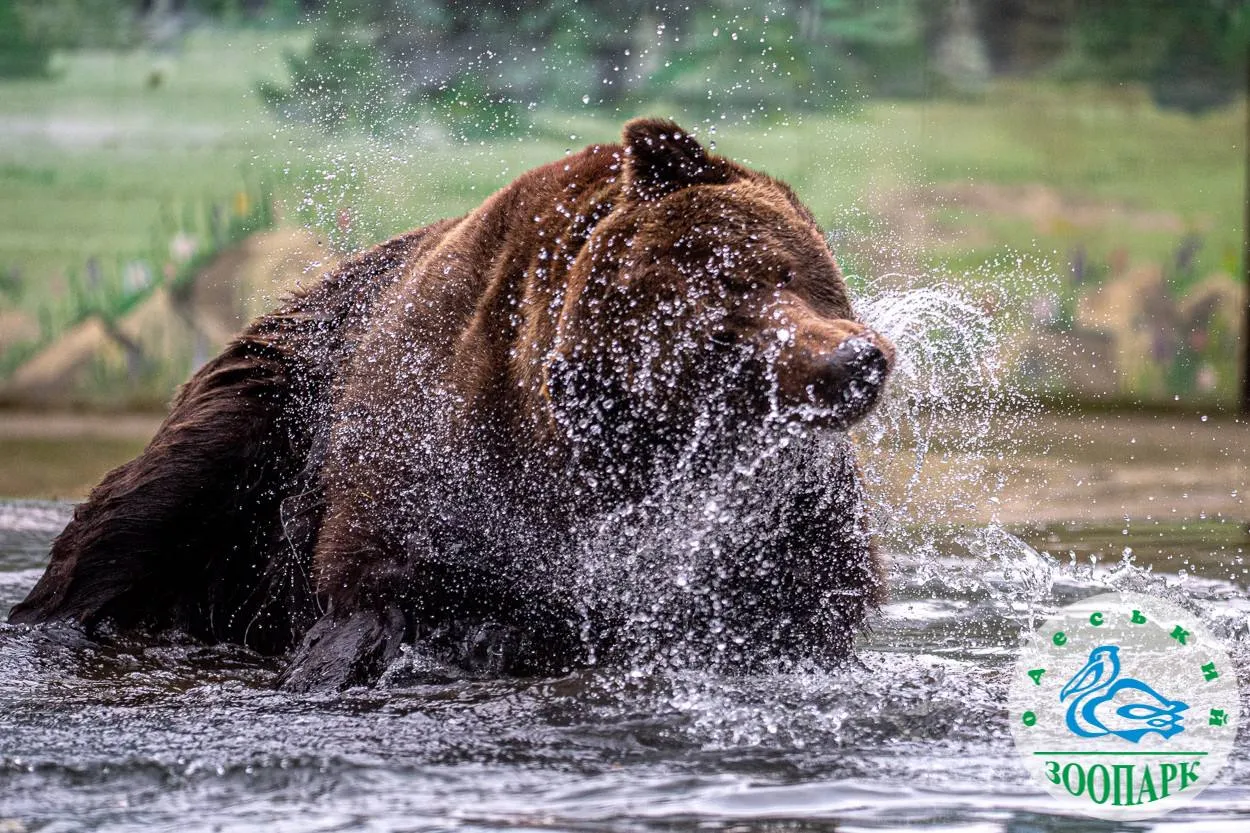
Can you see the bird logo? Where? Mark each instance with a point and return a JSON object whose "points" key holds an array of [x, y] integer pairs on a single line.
{"points": [[1101, 702]]}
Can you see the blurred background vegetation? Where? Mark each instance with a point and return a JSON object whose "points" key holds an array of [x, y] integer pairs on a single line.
{"points": [[169, 166]]}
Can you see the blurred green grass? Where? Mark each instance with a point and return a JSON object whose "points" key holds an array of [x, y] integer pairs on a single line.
{"points": [[95, 161], [92, 159]]}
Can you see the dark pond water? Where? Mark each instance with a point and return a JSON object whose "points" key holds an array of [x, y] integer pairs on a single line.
{"points": [[126, 736]]}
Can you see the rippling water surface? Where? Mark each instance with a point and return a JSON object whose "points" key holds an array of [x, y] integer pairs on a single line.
{"points": [[135, 735]]}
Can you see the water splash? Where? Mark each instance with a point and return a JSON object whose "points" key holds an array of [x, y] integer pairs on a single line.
{"points": [[952, 384]]}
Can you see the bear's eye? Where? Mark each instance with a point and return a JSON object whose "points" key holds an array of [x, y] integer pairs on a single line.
{"points": [[786, 276], [724, 338]]}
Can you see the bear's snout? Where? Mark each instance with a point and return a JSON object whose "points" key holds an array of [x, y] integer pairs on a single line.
{"points": [[853, 379], [861, 359], [841, 384]]}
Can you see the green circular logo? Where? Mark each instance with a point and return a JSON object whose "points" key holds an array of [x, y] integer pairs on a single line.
{"points": [[1123, 706]]}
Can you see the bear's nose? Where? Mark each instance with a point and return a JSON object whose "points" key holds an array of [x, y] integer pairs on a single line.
{"points": [[860, 359], [851, 379]]}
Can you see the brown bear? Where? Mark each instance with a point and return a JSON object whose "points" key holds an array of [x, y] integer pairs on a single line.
{"points": [[596, 420]]}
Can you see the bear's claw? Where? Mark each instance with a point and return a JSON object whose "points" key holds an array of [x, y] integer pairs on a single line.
{"points": [[342, 651]]}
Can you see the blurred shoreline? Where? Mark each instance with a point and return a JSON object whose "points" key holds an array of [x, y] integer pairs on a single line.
{"points": [[1098, 468]]}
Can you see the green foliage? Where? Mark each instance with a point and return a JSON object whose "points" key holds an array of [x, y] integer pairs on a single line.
{"points": [[12, 287], [1131, 39], [347, 81], [218, 8], [751, 61], [79, 23], [883, 40], [799, 56], [464, 65], [341, 82], [441, 59], [1189, 53], [21, 54], [470, 110]]}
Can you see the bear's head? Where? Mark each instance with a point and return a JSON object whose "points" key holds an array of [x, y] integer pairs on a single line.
{"points": [[706, 299]]}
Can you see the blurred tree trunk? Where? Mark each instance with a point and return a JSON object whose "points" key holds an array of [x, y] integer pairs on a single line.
{"points": [[1023, 36], [961, 60]]}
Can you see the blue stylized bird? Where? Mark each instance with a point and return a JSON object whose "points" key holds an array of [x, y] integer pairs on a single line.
{"points": [[1097, 688]]}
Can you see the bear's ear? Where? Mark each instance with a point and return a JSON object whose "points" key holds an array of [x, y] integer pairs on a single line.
{"points": [[662, 158]]}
